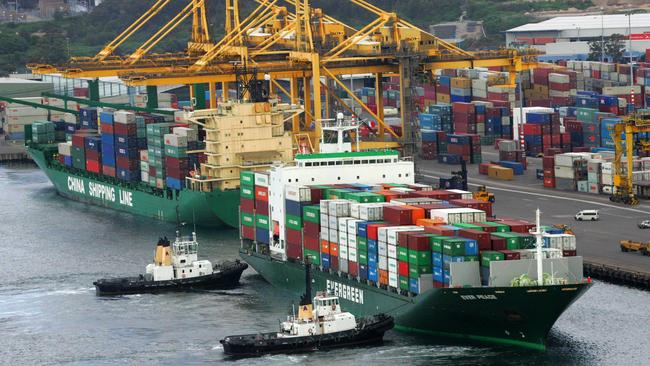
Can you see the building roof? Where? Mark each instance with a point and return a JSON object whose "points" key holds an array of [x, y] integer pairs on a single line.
{"points": [[19, 81], [586, 22]]}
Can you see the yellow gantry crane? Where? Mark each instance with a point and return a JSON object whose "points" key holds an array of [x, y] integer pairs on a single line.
{"points": [[638, 122], [290, 40]]}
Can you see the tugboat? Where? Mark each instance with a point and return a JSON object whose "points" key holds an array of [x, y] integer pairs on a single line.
{"points": [[175, 268], [320, 325]]}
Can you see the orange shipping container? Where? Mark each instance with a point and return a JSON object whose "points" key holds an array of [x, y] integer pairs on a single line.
{"points": [[325, 247], [388, 195], [417, 213], [429, 222], [334, 249], [383, 277]]}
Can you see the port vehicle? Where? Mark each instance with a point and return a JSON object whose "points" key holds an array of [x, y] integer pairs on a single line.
{"points": [[644, 224], [384, 243], [564, 227], [320, 324], [635, 246], [587, 215], [484, 195], [176, 267]]}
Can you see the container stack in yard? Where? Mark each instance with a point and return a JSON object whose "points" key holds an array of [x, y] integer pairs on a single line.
{"points": [[395, 236]]}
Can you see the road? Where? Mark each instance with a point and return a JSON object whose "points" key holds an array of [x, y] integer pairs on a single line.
{"points": [[597, 241]]}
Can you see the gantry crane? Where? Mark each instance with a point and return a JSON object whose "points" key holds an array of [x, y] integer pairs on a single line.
{"points": [[305, 46], [638, 122]]}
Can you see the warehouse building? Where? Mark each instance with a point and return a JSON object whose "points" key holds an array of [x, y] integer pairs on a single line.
{"points": [[568, 37]]}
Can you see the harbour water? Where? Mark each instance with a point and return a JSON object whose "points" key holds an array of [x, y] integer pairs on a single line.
{"points": [[52, 249]]}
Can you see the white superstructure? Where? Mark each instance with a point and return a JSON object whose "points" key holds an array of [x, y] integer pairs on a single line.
{"points": [[326, 317], [178, 262]]}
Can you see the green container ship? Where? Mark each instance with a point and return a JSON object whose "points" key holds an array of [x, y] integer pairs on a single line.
{"points": [[483, 296], [210, 195]]}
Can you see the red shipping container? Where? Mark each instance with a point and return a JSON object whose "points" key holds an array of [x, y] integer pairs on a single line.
{"points": [[316, 194], [311, 243], [440, 194], [475, 204], [463, 107], [78, 140], [248, 232], [107, 129], [109, 170], [125, 130], [437, 284], [293, 237], [372, 230], [294, 251], [262, 207], [532, 129], [484, 167], [439, 230], [402, 238], [559, 86], [247, 205], [261, 193], [311, 229], [481, 237], [569, 253], [550, 173], [549, 182], [353, 268], [498, 243], [388, 195], [93, 155], [334, 263], [419, 242], [398, 215], [519, 226], [403, 268], [510, 254], [126, 163], [93, 166]]}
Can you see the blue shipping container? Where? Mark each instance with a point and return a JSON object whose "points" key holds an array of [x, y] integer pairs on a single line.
{"points": [[106, 117], [363, 272], [438, 274], [373, 275], [128, 175], [175, 183], [538, 118], [293, 208], [517, 168], [93, 143], [436, 259], [414, 285], [262, 235]]}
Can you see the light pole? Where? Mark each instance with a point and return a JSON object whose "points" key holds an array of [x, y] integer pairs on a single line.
{"points": [[602, 35], [629, 50]]}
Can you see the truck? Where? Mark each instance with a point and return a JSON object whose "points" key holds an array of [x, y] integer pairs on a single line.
{"points": [[635, 246]]}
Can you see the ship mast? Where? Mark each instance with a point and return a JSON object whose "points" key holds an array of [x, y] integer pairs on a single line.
{"points": [[538, 241]]}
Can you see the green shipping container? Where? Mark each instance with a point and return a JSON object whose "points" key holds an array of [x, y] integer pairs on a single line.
{"points": [[403, 254], [471, 258], [262, 221], [403, 283], [336, 193], [313, 256], [294, 222], [247, 177], [362, 247], [419, 257], [416, 271], [176, 152], [453, 247], [365, 197], [468, 226], [311, 214], [247, 219], [489, 256], [501, 228], [513, 241], [363, 257], [436, 243], [362, 240], [247, 191]]}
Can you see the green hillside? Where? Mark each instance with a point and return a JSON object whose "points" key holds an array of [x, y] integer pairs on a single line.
{"points": [[53, 41]]}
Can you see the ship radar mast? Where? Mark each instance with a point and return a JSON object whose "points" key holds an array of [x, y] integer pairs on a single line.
{"points": [[336, 134]]}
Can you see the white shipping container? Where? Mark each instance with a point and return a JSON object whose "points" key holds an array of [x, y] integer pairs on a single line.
{"points": [[343, 252], [393, 280], [333, 222], [338, 208], [324, 221], [382, 248], [463, 194], [175, 140], [144, 176], [371, 212], [298, 193], [569, 242], [392, 265], [144, 166], [262, 180], [333, 236], [65, 148], [342, 224], [352, 254], [382, 262], [458, 215], [402, 190], [343, 238], [124, 117], [190, 133], [325, 234], [352, 241], [564, 172], [392, 251], [144, 155], [391, 232]]}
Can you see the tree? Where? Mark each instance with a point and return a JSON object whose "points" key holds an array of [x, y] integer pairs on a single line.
{"points": [[612, 48]]}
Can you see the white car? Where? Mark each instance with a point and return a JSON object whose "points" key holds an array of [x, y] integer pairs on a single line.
{"points": [[587, 215], [645, 224]]}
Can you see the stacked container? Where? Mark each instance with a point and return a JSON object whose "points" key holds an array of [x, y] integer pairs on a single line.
{"points": [[156, 152], [127, 148], [176, 160], [109, 160]]}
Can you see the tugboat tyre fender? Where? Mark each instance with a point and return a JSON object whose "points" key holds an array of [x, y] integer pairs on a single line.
{"points": [[311, 331], [333, 306]]}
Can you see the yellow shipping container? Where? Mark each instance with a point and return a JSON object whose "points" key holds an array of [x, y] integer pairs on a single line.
{"points": [[501, 173], [461, 83]]}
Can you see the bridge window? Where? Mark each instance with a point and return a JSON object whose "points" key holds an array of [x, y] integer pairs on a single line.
{"points": [[347, 162], [383, 175], [373, 161], [316, 163], [330, 163], [364, 161], [399, 175], [356, 162], [307, 164], [357, 177]]}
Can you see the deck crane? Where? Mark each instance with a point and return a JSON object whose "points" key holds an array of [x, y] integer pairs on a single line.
{"points": [[638, 122], [290, 40]]}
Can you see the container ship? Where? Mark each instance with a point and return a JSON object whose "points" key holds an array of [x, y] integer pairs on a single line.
{"points": [[185, 169], [437, 261]]}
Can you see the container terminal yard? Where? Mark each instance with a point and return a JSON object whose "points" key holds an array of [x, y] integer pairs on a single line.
{"points": [[473, 202]]}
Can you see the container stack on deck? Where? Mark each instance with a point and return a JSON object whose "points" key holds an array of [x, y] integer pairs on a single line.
{"points": [[399, 237]]}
